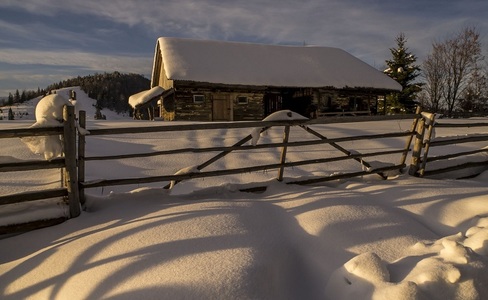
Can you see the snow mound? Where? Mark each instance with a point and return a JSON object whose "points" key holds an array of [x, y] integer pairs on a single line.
{"points": [[449, 268], [49, 113]]}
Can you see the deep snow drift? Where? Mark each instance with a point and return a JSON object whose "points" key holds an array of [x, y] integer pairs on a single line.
{"points": [[365, 238]]}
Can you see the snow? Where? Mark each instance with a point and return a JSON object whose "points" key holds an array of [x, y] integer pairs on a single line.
{"points": [[145, 96], [266, 65], [282, 115], [187, 170], [364, 238], [83, 102], [49, 113]]}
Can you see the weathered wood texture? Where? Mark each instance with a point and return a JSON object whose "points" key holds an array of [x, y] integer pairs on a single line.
{"points": [[32, 196], [26, 132], [421, 156], [70, 154]]}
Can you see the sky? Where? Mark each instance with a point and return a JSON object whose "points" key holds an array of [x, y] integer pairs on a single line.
{"points": [[46, 41]]}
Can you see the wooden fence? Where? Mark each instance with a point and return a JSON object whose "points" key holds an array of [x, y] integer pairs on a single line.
{"points": [[284, 145], [74, 161], [425, 140], [68, 178]]}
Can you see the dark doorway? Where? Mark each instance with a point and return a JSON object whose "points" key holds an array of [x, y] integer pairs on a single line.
{"points": [[299, 105], [272, 103]]}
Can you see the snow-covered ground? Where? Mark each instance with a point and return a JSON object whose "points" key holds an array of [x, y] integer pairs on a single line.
{"points": [[364, 238]]}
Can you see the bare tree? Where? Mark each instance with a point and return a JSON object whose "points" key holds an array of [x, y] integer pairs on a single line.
{"points": [[455, 60], [434, 76], [475, 96]]}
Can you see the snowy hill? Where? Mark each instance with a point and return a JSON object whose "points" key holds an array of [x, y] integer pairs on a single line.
{"points": [[26, 110]]}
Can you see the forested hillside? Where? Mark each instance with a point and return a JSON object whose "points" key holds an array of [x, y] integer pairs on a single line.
{"points": [[111, 90]]}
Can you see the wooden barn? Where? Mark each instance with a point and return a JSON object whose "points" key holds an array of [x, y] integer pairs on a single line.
{"points": [[203, 80]]}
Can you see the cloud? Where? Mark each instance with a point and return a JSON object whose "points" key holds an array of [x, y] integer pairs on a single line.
{"points": [[366, 29], [347, 24], [29, 69], [25, 79], [84, 60], [40, 35]]}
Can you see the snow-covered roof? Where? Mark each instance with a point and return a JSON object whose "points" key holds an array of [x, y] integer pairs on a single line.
{"points": [[145, 96], [266, 65]]}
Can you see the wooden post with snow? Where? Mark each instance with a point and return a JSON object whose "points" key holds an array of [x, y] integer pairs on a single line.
{"points": [[430, 124], [417, 148], [81, 154], [70, 160], [283, 153], [410, 137]]}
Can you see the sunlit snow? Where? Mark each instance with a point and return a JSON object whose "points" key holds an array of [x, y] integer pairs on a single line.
{"points": [[364, 238]]}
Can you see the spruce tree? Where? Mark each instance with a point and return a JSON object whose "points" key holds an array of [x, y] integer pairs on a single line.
{"points": [[10, 100], [10, 114], [403, 69]]}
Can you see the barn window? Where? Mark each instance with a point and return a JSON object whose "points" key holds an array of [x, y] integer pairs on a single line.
{"points": [[198, 99], [242, 100]]}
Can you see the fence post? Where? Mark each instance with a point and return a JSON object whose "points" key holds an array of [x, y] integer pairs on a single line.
{"points": [[81, 155], [70, 160], [427, 144], [417, 147], [410, 138], [283, 153]]}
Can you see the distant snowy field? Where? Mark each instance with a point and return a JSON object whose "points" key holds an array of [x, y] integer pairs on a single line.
{"points": [[365, 238]]}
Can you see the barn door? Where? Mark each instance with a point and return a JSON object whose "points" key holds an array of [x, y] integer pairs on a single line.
{"points": [[221, 108]]}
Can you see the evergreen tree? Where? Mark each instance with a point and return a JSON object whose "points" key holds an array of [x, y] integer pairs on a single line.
{"points": [[23, 97], [10, 100], [10, 114], [403, 69], [17, 97]]}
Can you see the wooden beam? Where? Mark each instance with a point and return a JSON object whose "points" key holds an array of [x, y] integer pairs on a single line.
{"points": [[417, 148], [32, 165], [33, 196], [286, 136], [70, 156], [453, 155], [455, 168], [27, 132], [459, 140]]}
